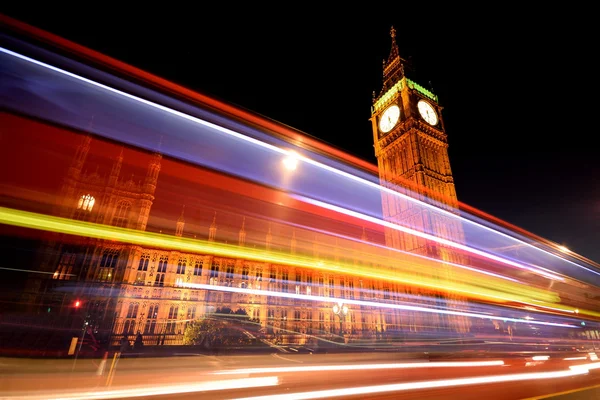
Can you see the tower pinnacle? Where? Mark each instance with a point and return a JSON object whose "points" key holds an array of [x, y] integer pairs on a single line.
{"points": [[212, 231], [393, 69], [242, 234], [180, 224]]}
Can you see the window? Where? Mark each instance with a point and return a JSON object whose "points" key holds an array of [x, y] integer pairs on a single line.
{"points": [[84, 207], [143, 265], [351, 289], [121, 216], [284, 281], [298, 282], [151, 319], [214, 270], [321, 322], [191, 315], [172, 319], [229, 271], [86, 203], [258, 278], [245, 272], [140, 278], [108, 263], [65, 265], [160, 271], [132, 312], [386, 293], [181, 267], [198, 268]]}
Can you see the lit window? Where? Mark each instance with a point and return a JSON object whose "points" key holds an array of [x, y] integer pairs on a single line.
{"points": [[107, 265], [86, 202]]}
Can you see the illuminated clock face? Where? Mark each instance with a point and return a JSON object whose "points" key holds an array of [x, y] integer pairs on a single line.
{"points": [[427, 112], [389, 118]]}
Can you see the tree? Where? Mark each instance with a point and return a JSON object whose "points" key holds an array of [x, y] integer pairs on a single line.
{"points": [[202, 332], [223, 328]]}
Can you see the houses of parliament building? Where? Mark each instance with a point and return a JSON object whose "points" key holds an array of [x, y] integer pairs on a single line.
{"points": [[130, 288]]}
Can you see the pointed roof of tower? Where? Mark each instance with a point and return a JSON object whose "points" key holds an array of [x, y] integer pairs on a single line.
{"points": [[394, 53], [181, 216], [242, 234], [393, 68], [214, 222]]}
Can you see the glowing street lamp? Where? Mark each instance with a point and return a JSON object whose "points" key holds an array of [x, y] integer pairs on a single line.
{"points": [[291, 161], [341, 310]]}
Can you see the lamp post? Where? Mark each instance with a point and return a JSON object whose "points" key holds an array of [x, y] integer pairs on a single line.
{"points": [[341, 310], [84, 329]]}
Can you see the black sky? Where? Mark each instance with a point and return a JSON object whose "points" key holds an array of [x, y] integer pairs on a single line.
{"points": [[516, 86]]}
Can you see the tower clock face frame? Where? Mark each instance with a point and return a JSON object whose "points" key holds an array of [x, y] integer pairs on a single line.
{"points": [[427, 112], [389, 118]]}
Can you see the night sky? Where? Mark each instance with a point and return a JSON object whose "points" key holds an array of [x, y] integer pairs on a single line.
{"points": [[514, 86]]}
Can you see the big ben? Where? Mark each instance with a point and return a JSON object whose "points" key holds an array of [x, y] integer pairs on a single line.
{"points": [[411, 147]]}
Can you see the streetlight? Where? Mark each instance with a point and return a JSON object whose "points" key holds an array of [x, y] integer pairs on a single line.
{"points": [[341, 310], [291, 161]]}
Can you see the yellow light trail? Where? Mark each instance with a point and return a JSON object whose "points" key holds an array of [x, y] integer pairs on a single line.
{"points": [[495, 291]]}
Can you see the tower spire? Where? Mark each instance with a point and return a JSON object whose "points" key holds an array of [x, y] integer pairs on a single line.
{"points": [[80, 156], [393, 67], [116, 169], [242, 235], [212, 231], [153, 170], [394, 53], [180, 224]]}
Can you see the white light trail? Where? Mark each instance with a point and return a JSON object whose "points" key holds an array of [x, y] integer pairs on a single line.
{"points": [[540, 358], [369, 390], [320, 368], [298, 156], [424, 235], [152, 389], [363, 303]]}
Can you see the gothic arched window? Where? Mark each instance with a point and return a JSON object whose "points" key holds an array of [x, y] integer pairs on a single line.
{"points": [[85, 204], [108, 263], [142, 268], [65, 264], [130, 320], [121, 216], [161, 271]]}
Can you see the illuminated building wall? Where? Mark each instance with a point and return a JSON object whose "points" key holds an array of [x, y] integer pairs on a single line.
{"points": [[412, 151], [135, 288]]}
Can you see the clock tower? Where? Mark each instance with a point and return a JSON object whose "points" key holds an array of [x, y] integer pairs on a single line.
{"points": [[411, 147]]}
